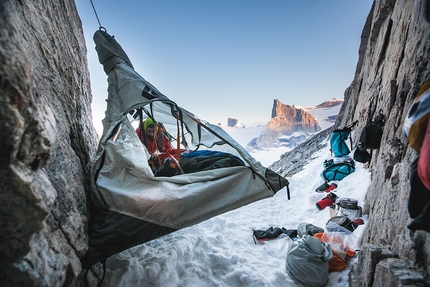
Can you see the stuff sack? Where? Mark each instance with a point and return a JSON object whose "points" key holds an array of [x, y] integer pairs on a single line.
{"points": [[370, 138], [337, 142], [339, 170], [307, 261], [349, 208], [371, 134], [305, 228], [361, 155]]}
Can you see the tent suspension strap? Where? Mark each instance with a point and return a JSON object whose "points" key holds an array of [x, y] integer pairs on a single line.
{"points": [[178, 142], [97, 16]]}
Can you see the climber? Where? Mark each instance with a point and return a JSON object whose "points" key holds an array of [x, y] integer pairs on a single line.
{"points": [[162, 161]]}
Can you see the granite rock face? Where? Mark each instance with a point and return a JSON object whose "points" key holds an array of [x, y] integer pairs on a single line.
{"points": [[392, 66], [47, 142], [288, 119]]}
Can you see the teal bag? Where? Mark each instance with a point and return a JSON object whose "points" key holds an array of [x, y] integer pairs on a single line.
{"points": [[337, 142], [338, 171]]}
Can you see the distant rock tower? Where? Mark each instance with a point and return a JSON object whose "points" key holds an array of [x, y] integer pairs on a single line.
{"points": [[288, 119], [232, 122]]}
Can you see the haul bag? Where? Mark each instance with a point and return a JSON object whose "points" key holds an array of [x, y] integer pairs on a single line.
{"points": [[307, 261]]}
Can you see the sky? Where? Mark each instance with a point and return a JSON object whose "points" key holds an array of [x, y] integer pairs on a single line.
{"points": [[221, 251], [230, 59]]}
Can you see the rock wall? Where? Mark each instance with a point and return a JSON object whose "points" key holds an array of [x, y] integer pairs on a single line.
{"points": [[288, 119], [47, 141], [393, 64]]}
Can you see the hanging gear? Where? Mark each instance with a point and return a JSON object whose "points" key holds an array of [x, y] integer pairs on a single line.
{"points": [[416, 121]]}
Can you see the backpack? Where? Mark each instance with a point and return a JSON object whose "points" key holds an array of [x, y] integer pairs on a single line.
{"points": [[307, 261], [339, 170], [370, 138]]}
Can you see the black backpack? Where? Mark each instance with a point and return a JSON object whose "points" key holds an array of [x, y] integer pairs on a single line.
{"points": [[370, 138]]}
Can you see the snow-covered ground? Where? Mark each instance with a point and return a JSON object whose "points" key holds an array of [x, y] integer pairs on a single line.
{"points": [[221, 251]]}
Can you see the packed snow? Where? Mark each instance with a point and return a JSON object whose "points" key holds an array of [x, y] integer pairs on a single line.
{"points": [[221, 251]]}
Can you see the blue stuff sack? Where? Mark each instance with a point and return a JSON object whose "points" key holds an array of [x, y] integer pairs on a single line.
{"points": [[338, 170], [337, 142]]}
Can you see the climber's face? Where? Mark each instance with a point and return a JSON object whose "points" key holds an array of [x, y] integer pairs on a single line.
{"points": [[150, 132]]}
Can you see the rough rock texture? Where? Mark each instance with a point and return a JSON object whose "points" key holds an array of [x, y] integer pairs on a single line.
{"points": [[393, 64], [46, 145], [288, 119]]}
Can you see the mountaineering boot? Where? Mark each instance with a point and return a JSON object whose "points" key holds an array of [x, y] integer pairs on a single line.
{"points": [[323, 187], [330, 199], [332, 187], [109, 51]]}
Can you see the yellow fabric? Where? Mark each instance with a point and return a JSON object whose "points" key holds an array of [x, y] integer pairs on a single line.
{"points": [[148, 122], [418, 128], [416, 134]]}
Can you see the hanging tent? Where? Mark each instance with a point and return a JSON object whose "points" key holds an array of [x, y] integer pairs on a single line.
{"points": [[129, 205]]}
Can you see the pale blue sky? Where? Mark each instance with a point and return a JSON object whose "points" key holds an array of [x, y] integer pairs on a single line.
{"points": [[221, 59]]}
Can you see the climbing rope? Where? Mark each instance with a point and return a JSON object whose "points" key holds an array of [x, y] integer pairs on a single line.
{"points": [[97, 16]]}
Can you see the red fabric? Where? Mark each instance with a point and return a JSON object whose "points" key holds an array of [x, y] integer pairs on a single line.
{"points": [[163, 146], [424, 160], [336, 264]]}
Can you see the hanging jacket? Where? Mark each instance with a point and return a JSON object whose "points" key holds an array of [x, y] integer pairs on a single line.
{"points": [[417, 128], [424, 160]]}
